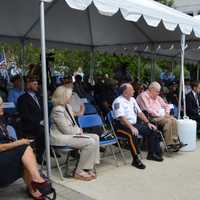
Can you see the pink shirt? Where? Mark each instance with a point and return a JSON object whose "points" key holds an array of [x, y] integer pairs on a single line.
{"points": [[152, 106]]}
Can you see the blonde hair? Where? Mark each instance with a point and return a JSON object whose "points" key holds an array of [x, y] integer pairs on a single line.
{"points": [[155, 85], [61, 95], [1, 100]]}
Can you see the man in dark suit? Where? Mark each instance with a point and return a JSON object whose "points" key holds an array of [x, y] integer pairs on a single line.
{"points": [[30, 109], [193, 103]]}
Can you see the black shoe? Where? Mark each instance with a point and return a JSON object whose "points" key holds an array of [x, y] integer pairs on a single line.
{"points": [[154, 157], [138, 163]]}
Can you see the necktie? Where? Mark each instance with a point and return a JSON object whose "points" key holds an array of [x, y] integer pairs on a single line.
{"points": [[36, 100]]}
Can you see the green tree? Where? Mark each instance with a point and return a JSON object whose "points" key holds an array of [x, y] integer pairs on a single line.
{"points": [[166, 2]]}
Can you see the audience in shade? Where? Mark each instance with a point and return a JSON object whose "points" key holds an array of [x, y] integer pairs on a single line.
{"points": [[126, 111], [193, 103], [65, 131], [17, 160], [16, 91], [75, 102], [159, 110], [30, 111]]}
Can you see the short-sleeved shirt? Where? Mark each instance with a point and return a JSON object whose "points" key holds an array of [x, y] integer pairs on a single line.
{"points": [[126, 108]]}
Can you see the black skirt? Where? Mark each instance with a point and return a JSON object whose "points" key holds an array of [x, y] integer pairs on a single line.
{"points": [[11, 167]]}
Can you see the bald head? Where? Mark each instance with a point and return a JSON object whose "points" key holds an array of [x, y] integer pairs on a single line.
{"points": [[127, 90]]}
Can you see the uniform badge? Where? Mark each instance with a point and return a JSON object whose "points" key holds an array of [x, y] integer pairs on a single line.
{"points": [[116, 106]]}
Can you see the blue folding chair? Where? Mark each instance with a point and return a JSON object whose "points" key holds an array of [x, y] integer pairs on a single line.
{"points": [[94, 120], [110, 119], [89, 109]]}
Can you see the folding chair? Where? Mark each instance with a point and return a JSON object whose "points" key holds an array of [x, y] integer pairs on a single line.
{"points": [[94, 120], [63, 149], [110, 120], [160, 132], [90, 109]]}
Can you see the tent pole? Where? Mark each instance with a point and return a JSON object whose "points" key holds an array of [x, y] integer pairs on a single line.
{"points": [[198, 72], [138, 68], [183, 46], [153, 55], [44, 86]]}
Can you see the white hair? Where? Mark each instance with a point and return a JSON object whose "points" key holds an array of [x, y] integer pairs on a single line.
{"points": [[155, 85], [61, 95]]}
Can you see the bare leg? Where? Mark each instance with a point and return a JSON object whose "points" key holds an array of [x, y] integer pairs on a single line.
{"points": [[27, 179], [30, 165]]}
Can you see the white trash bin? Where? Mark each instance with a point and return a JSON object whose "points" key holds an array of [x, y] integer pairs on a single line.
{"points": [[187, 129]]}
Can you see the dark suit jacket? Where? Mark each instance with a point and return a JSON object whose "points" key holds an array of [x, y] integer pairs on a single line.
{"points": [[191, 106], [30, 113]]}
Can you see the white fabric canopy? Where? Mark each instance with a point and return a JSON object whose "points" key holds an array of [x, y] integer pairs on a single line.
{"points": [[87, 28]]}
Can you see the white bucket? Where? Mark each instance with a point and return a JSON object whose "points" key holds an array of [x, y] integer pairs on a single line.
{"points": [[187, 133]]}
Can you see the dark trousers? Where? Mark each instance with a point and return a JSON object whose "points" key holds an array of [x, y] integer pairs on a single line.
{"points": [[151, 136], [38, 135]]}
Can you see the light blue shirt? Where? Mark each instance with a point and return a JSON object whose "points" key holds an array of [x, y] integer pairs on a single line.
{"points": [[14, 94]]}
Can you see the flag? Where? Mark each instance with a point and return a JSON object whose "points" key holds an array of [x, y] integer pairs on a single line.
{"points": [[2, 59]]}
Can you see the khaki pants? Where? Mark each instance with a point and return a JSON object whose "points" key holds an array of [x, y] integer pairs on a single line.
{"points": [[169, 126]]}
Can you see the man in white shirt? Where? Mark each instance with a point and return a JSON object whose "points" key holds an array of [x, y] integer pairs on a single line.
{"points": [[126, 111]]}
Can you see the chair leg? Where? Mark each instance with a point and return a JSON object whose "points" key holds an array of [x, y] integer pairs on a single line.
{"points": [[121, 152], [57, 163], [163, 139], [114, 156], [67, 163]]}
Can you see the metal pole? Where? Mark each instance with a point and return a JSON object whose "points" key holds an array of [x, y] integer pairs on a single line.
{"points": [[44, 86], [198, 72], [139, 68], [182, 72]]}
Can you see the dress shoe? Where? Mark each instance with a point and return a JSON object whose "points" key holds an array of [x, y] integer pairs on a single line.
{"points": [[138, 163], [154, 157]]}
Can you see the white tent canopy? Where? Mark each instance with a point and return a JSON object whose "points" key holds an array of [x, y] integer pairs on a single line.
{"points": [[88, 28]]}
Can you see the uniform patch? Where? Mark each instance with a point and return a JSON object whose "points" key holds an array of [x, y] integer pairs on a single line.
{"points": [[116, 106]]}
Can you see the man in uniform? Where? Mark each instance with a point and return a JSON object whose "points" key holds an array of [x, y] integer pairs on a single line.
{"points": [[126, 111]]}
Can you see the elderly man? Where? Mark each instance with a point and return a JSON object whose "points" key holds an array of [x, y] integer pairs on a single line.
{"points": [[151, 102], [126, 111]]}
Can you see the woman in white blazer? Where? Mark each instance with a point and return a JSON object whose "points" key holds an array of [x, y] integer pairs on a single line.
{"points": [[65, 131]]}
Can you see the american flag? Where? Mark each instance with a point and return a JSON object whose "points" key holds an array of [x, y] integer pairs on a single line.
{"points": [[2, 59]]}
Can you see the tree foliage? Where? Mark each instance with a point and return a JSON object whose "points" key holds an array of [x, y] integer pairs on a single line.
{"points": [[166, 2]]}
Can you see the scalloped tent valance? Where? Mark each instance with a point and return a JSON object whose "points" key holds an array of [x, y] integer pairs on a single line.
{"points": [[98, 24], [152, 12]]}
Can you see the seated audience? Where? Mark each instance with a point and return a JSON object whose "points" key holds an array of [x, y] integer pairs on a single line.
{"points": [[193, 103], [18, 160], [151, 102], [126, 111], [30, 110], [16, 91], [172, 98], [65, 131], [75, 102]]}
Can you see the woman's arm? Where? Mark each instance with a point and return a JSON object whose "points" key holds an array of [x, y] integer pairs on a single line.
{"points": [[12, 145]]}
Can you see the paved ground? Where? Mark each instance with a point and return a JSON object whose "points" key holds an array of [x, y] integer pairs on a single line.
{"points": [[177, 178], [16, 191]]}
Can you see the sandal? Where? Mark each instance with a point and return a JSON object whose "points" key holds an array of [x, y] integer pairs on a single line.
{"points": [[92, 173], [41, 197], [82, 175]]}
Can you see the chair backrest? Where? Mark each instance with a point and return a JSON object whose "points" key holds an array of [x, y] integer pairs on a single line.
{"points": [[11, 132], [87, 121], [89, 109], [110, 116]]}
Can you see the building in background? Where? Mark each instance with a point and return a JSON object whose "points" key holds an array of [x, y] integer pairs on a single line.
{"points": [[190, 7]]}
